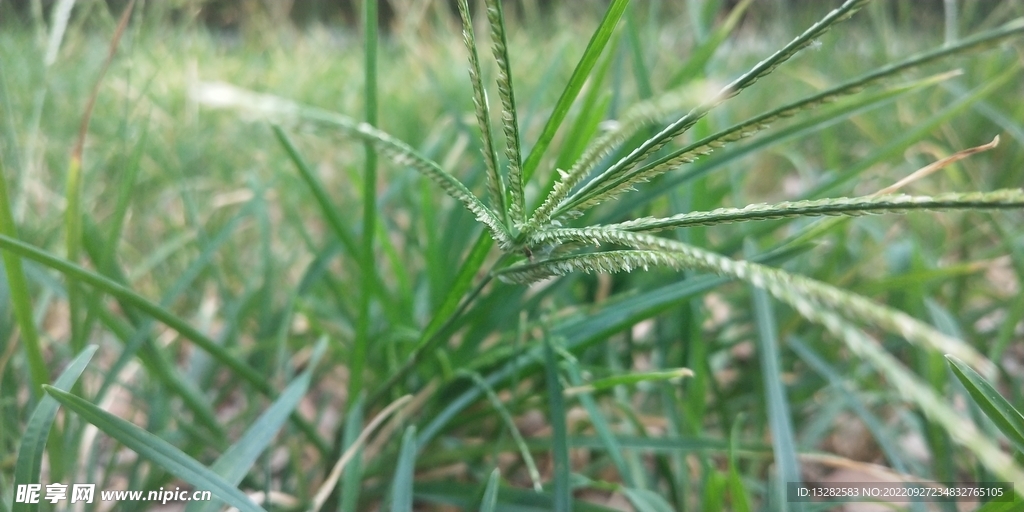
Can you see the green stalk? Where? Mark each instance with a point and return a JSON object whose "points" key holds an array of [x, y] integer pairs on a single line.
{"points": [[20, 296], [561, 490], [355, 385], [328, 209], [73, 241], [510, 424], [73, 213], [787, 468]]}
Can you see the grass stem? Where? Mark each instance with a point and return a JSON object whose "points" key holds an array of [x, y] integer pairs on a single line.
{"points": [[359, 352]]}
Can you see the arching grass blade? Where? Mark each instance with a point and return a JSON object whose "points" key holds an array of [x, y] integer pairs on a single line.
{"points": [[1008, 419], [33, 442], [157, 450], [402, 482]]}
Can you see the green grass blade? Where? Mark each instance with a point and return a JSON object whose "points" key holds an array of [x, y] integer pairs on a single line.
{"points": [[670, 444], [629, 379], [367, 281], [327, 208], [126, 187], [151, 356], [73, 193], [604, 322], [489, 503], [835, 377], [579, 76], [402, 482], [185, 280], [509, 114], [141, 303], [351, 481], [157, 450], [1015, 313], [714, 491], [1008, 419], [737, 491], [560, 439], [33, 442], [787, 468], [701, 55], [641, 74], [647, 501], [458, 290], [1003, 506], [495, 185], [20, 298], [510, 424], [73, 243], [191, 394], [585, 127], [235, 462], [601, 426], [163, 370]]}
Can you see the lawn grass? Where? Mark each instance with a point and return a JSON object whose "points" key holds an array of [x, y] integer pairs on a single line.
{"points": [[232, 274]]}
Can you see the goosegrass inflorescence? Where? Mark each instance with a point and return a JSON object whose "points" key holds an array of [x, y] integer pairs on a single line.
{"points": [[546, 245]]}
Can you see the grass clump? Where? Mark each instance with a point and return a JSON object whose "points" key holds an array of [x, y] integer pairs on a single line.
{"points": [[621, 381]]}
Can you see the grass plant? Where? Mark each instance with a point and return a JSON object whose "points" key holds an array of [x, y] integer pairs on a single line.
{"points": [[523, 341]]}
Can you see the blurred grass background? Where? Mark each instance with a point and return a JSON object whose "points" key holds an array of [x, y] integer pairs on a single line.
{"points": [[221, 228]]}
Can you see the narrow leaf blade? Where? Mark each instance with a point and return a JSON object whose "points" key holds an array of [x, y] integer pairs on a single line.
{"points": [[560, 439], [157, 450], [402, 490], [489, 503], [594, 50], [235, 462], [1008, 419], [33, 443], [20, 298]]}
